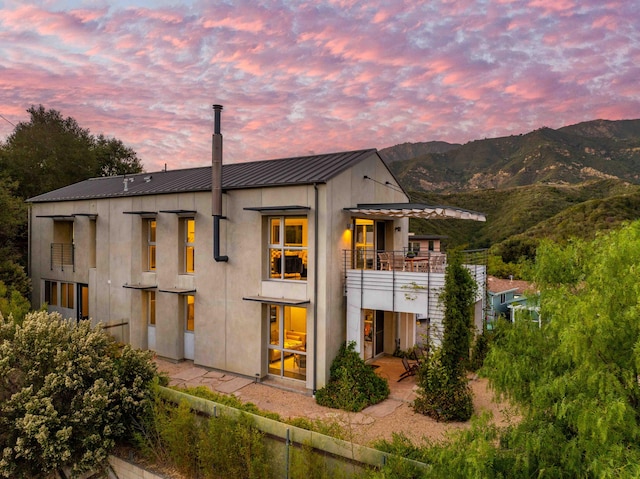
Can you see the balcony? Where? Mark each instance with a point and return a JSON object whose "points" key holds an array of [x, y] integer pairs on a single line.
{"points": [[62, 256], [401, 282]]}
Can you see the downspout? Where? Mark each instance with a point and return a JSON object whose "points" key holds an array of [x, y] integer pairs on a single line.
{"points": [[216, 184], [315, 290]]}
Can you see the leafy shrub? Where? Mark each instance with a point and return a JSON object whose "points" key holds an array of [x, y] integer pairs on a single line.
{"points": [[479, 350], [353, 385], [440, 395], [68, 392]]}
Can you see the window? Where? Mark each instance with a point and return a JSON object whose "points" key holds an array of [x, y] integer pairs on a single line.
{"points": [[503, 298], [51, 293], [151, 308], [151, 245], [288, 247], [363, 244], [190, 312], [66, 295], [189, 244], [287, 342]]}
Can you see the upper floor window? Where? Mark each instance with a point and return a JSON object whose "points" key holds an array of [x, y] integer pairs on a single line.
{"points": [[151, 245], [288, 247], [189, 244], [364, 244]]}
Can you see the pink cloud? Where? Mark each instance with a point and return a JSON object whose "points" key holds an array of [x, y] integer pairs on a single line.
{"points": [[318, 77]]}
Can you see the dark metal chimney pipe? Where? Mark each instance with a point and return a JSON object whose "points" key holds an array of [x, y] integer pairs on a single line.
{"points": [[216, 183]]}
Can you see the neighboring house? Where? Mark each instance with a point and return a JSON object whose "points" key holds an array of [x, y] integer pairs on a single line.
{"points": [[262, 269], [424, 243], [507, 295]]}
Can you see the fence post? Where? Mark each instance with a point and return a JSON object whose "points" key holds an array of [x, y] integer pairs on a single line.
{"points": [[287, 446]]}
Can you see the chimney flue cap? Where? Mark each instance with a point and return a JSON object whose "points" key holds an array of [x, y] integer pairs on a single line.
{"points": [[217, 107]]}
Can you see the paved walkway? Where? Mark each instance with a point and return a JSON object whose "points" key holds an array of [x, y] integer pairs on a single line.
{"points": [[184, 374]]}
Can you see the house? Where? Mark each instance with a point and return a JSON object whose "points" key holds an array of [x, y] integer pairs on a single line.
{"points": [[262, 268], [419, 243], [506, 296]]}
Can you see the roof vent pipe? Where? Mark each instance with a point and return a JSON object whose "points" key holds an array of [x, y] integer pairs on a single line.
{"points": [[216, 183]]}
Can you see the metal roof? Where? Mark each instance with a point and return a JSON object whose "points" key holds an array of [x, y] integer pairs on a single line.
{"points": [[256, 174]]}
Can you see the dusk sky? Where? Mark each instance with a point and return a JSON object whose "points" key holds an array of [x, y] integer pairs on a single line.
{"points": [[298, 78]]}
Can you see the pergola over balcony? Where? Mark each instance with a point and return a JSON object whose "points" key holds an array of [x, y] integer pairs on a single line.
{"points": [[415, 210]]}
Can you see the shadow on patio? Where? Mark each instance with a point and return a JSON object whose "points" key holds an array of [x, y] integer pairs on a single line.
{"points": [[391, 368]]}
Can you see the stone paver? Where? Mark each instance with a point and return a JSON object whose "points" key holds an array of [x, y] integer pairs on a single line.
{"points": [[383, 408], [189, 374], [233, 385]]}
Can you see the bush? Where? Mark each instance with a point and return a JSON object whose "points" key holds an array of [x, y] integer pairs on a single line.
{"points": [[353, 385], [440, 395], [67, 394]]}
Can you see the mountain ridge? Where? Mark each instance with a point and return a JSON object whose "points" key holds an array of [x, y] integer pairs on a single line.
{"points": [[592, 150]]}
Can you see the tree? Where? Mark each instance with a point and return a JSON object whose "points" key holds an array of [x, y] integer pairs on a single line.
{"points": [[51, 151], [67, 394], [458, 299], [575, 379], [13, 239], [443, 391], [13, 304], [114, 158]]}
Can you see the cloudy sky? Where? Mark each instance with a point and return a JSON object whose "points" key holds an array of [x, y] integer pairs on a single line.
{"points": [[299, 78]]}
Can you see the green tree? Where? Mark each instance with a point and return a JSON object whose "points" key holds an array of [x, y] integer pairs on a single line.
{"points": [[13, 238], [575, 379], [51, 151], [13, 304], [67, 394], [115, 158], [458, 298], [443, 390]]}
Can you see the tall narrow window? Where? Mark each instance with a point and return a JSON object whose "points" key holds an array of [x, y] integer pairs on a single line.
{"points": [[189, 244], [151, 308], [363, 243], [51, 293], [66, 295], [288, 247], [151, 244], [190, 313]]}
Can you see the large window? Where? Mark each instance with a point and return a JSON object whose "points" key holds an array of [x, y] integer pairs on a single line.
{"points": [[189, 245], [288, 247], [151, 244], [287, 344]]}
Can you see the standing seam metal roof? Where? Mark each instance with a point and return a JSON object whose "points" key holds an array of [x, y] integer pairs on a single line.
{"points": [[280, 172]]}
